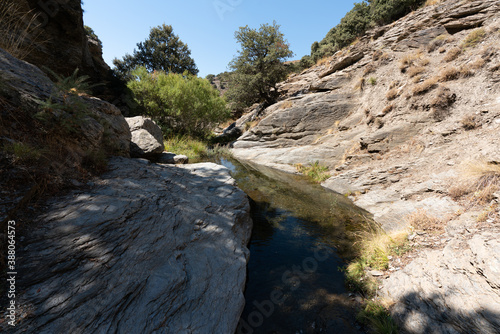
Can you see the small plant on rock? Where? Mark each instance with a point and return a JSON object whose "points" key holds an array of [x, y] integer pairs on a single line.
{"points": [[315, 171]]}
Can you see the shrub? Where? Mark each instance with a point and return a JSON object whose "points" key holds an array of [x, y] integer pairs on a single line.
{"points": [[425, 86], [469, 122], [378, 318], [315, 171], [452, 54], [421, 220], [183, 104], [19, 29], [479, 180], [449, 73], [372, 81], [392, 94], [259, 66], [474, 38], [415, 70]]}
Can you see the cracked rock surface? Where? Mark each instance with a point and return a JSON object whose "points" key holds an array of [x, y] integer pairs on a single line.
{"points": [[453, 290], [149, 249]]}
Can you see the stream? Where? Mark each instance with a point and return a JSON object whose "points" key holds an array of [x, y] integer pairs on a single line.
{"points": [[300, 243]]}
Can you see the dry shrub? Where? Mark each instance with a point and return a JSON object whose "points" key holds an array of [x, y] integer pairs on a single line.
{"points": [[324, 61], [387, 109], [438, 42], [377, 54], [421, 220], [425, 86], [452, 54], [370, 68], [480, 180], [415, 70], [449, 73], [478, 63], [413, 59], [474, 38], [432, 2], [392, 94], [417, 79], [360, 84], [441, 102], [469, 122], [19, 29]]}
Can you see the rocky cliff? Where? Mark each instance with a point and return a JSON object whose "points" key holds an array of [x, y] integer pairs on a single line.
{"points": [[395, 117]]}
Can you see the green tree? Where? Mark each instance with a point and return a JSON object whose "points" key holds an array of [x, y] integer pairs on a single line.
{"points": [[259, 65], [179, 103], [162, 51]]}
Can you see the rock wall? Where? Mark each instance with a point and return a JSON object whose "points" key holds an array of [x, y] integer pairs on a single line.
{"points": [[62, 44], [396, 116], [151, 248]]}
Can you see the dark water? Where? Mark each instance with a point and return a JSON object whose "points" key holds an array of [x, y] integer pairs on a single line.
{"points": [[299, 243]]}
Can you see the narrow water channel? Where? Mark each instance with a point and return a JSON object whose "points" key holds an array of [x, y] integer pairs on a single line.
{"points": [[300, 241]]}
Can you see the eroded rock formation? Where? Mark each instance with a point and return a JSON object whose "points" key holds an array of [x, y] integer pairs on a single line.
{"points": [[151, 248]]}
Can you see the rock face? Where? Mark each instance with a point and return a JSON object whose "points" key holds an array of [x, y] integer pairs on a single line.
{"points": [[62, 37], [149, 249], [102, 127], [147, 138], [394, 117], [454, 290]]}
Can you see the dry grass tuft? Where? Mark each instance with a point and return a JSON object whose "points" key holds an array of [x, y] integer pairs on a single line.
{"points": [[452, 54], [421, 220], [480, 180], [392, 94], [474, 38], [425, 86], [449, 73], [324, 61], [370, 68], [432, 2], [360, 84], [387, 109], [19, 29], [438, 42], [413, 59], [415, 70]]}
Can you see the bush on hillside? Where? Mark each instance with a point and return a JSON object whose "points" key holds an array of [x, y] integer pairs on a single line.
{"points": [[182, 104], [364, 15]]}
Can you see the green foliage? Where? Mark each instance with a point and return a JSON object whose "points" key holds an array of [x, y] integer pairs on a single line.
{"points": [[378, 318], [92, 35], [73, 84], [259, 65], [180, 104], [23, 153], [364, 15], [315, 171], [195, 149], [64, 108], [162, 51], [387, 11], [372, 81]]}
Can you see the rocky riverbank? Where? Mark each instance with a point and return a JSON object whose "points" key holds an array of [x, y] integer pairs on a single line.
{"points": [[405, 119], [148, 248]]}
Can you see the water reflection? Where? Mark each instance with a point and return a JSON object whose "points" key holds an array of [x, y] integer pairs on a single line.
{"points": [[299, 241]]}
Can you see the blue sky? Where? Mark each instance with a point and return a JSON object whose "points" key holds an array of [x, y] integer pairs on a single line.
{"points": [[208, 26]]}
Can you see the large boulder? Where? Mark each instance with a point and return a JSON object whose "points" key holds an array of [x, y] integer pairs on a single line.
{"points": [[100, 126], [147, 138], [150, 249]]}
